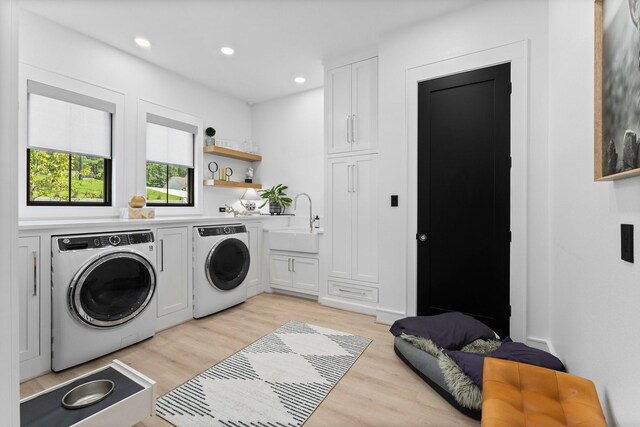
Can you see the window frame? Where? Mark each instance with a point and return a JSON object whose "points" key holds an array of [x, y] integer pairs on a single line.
{"points": [[147, 107], [106, 187], [118, 173], [190, 179]]}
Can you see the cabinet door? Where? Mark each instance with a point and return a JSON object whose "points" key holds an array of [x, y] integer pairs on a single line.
{"points": [[253, 276], [364, 99], [305, 273], [364, 230], [280, 270], [339, 217], [173, 281], [29, 310], [339, 109]]}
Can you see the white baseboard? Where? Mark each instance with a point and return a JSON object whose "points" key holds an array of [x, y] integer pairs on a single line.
{"points": [[347, 305], [387, 317], [252, 291], [542, 344], [293, 294]]}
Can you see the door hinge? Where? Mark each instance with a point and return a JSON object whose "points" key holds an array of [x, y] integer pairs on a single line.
{"points": [[510, 87], [510, 162], [510, 236], [509, 311]]}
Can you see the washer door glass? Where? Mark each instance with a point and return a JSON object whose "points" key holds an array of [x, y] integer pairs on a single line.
{"points": [[113, 289], [227, 264]]}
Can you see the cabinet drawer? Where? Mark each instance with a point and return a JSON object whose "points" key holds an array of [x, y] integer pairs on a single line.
{"points": [[356, 292]]}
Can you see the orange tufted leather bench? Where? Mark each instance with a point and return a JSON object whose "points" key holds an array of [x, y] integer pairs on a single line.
{"points": [[520, 395]]}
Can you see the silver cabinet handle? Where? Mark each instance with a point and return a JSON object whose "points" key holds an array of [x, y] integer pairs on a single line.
{"points": [[161, 254], [289, 264], [35, 273], [293, 265], [353, 128], [348, 121], [348, 178], [354, 178], [352, 292]]}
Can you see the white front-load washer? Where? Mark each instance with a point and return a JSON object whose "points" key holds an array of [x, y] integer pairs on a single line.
{"points": [[220, 269], [102, 286]]}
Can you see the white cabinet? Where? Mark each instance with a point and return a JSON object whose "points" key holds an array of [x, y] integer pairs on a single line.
{"points": [[29, 288], [352, 107], [172, 276], [254, 282], [298, 274], [353, 218]]}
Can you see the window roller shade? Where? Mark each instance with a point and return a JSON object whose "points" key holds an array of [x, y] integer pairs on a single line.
{"points": [[169, 145], [61, 120]]}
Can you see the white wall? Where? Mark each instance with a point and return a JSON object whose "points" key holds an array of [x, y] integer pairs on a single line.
{"points": [[8, 217], [474, 29], [594, 295], [290, 133], [52, 47]]}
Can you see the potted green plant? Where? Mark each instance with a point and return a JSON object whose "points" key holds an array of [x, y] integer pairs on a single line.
{"points": [[276, 197], [210, 132]]}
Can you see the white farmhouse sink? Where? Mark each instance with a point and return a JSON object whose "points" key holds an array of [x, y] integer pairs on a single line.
{"points": [[293, 239]]}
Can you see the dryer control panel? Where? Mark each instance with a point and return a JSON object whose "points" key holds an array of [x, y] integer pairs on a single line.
{"points": [[221, 230], [75, 243]]}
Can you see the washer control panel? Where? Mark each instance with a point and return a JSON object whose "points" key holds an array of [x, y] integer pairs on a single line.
{"points": [[76, 243], [221, 230]]}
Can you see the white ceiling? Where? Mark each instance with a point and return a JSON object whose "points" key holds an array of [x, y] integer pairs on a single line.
{"points": [[274, 40]]}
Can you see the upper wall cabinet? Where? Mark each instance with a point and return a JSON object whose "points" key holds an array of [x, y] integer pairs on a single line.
{"points": [[352, 107]]}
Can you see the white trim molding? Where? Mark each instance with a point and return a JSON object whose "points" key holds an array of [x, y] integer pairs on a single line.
{"points": [[387, 317], [517, 55], [118, 170], [147, 107]]}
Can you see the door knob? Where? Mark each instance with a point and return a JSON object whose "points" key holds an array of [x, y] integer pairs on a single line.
{"points": [[422, 237]]}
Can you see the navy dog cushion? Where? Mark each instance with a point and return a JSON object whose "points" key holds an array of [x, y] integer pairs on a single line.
{"points": [[472, 364], [520, 352], [450, 331]]}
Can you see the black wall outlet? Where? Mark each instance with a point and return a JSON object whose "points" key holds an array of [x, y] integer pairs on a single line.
{"points": [[222, 210], [394, 200], [626, 242]]}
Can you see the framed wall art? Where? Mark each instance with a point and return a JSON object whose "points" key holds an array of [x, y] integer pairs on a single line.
{"points": [[617, 89]]}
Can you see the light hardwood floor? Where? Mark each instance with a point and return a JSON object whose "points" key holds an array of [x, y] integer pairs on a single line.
{"points": [[378, 390]]}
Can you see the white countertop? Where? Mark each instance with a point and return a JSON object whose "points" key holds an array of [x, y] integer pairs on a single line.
{"points": [[42, 224]]}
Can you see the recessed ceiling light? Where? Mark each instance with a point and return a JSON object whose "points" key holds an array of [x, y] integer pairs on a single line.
{"points": [[227, 51], [142, 42], [300, 80]]}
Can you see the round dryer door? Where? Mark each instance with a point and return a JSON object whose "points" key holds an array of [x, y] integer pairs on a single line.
{"points": [[227, 264], [112, 289]]}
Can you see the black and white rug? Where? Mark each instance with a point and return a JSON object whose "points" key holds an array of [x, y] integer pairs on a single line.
{"points": [[278, 380]]}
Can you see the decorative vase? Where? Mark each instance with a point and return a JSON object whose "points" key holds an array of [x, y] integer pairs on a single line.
{"points": [[275, 208]]}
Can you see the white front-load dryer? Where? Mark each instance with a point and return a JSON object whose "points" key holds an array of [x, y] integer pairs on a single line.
{"points": [[102, 294], [220, 269]]}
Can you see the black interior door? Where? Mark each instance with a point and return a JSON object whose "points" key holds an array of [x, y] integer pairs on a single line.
{"points": [[463, 195]]}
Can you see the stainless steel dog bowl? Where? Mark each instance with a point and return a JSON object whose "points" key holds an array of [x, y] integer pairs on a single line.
{"points": [[87, 394]]}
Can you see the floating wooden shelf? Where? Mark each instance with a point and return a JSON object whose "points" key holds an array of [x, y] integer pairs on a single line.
{"points": [[236, 184], [233, 154]]}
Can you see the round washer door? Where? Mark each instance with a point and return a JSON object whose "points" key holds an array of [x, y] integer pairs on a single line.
{"points": [[112, 289], [227, 264]]}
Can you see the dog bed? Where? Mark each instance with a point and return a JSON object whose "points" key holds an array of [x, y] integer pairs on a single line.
{"points": [[428, 368]]}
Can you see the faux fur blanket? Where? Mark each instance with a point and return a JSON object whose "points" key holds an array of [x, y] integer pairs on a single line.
{"points": [[463, 390]]}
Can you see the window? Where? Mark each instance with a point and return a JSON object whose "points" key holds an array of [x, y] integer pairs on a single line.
{"points": [[169, 162], [68, 147]]}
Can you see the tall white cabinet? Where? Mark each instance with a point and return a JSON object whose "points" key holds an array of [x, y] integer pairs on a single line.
{"points": [[172, 268], [352, 100], [350, 274], [29, 288]]}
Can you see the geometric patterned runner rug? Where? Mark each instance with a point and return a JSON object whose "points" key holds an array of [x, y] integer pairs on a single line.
{"points": [[279, 380]]}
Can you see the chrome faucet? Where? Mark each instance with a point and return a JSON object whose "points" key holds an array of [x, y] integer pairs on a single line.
{"points": [[295, 207]]}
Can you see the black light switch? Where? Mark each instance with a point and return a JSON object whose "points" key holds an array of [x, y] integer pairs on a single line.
{"points": [[394, 200], [626, 242]]}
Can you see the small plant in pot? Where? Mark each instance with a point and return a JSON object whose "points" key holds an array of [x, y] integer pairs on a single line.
{"points": [[210, 132], [277, 199]]}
